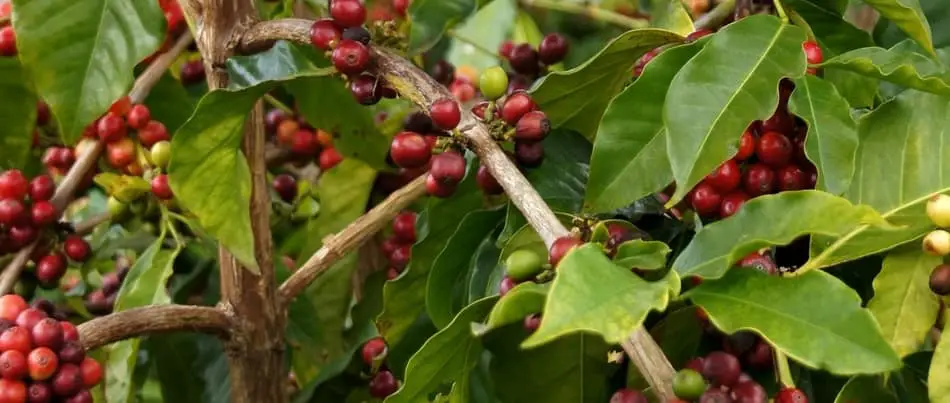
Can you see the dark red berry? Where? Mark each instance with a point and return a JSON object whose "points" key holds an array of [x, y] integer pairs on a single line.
{"points": [[439, 189], [445, 114], [40, 392], [16, 338], [760, 356], [273, 118], [731, 203], [348, 13], [30, 317], [70, 332], [43, 213], [350, 57], [628, 396], [48, 333], [68, 380], [400, 6], [644, 60], [285, 186], [443, 72], [72, 353], [758, 261], [533, 126], [697, 34], [940, 280], [365, 89], [375, 349], [812, 52], [160, 187], [13, 185], [91, 372], [705, 199], [42, 113], [524, 60], [42, 363], [516, 106], [448, 168], [715, 395], [324, 34], [304, 143], [42, 188], [8, 41], [486, 182], [507, 283], [505, 49], [553, 48], [791, 177], [418, 122], [561, 247], [532, 323], [13, 365], [22, 235], [529, 154], [404, 227], [152, 133], [383, 384], [726, 177], [791, 395], [780, 121], [329, 158], [84, 396], [50, 269], [721, 368], [410, 150], [400, 256], [192, 72], [758, 180], [774, 149], [138, 117], [358, 34], [12, 212], [77, 248]]}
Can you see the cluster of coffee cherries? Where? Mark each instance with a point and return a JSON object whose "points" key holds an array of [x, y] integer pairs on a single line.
{"points": [[398, 247], [42, 359], [303, 140], [514, 117], [412, 148], [7, 34], [530, 63], [102, 300], [937, 242], [382, 381]]}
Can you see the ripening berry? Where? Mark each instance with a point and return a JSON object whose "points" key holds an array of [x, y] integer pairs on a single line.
{"points": [[348, 13], [791, 177], [50, 269], [940, 280], [67, 381], [533, 126], [329, 158], [42, 362], [324, 34], [758, 180], [12, 391], [529, 154], [812, 52], [747, 146], [938, 209], [91, 372], [448, 168], [410, 150], [561, 247], [774, 150], [139, 117], [13, 365], [43, 213], [70, 332], [400, 7], [285, 186], [705, 199], [493, 82], [72, 353], [120, 153], [383, 384], [304, 143], [350, 57], [11, 305], [553, 48], [506, 284], [12, 212], [721, 368], [48, 333], [160, 187], [404, 227], [439, 189], [16, 338], [628, 396], [731, 202], [160, 154], [445, 114], [443, 72], [365, 89], [516, 106], [42, 188], [726, 177], [374, 351], [487, 182], [13, 185], [8, 41], [30, 317], [524, 60], [153, 132], [791, 395], [937, 243]]}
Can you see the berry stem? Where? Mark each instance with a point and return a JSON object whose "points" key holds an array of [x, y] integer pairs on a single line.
{"points": [[590, 11], [716, 16], [783, 370], [455, 35], [277, 104], [781, 10]]}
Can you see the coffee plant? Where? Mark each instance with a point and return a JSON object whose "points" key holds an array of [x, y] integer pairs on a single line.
{"points": [[513, 201]]}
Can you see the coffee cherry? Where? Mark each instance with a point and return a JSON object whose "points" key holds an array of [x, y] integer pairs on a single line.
{"points": [[273, 118], [48, 333], [493, 83], [522, 265], [532, 323], [8, 41], [439, 189], [410, 150], [780, 121], [84, 396], [731, 203], [628, 396], [43, 363], [774, 149], [324, 34], [937, 243], [940, 280], [192, 72], [383, 384], [715, 395], [533, 126], [304, 143], [400, 6], [529, 154], [13, 185], [705, 199], [70, 332], [721, 368], [448, 168], [749, 392], [16, 338], [12, 391], [365, 90], [72, 353], [688, 384], [561, 247], [160, 154], [404, 227], [445, 114], [358, 34], [791, 395], [400, 256], [747, 146], [348, 13], [524, 60], [507, 283], [329, 158], [43, 213], [418, 122], [486, 182], [505, 49], [22, 235], [812, 52], [443, 72], [13, 365], [30, 317], [42, 188], [285, 186], [791, 177], [758, 180], [760, 356], [40, 392], [463, 90], [153, 132], [516, 106], [11, 305], [139, 116], [91, 372], [553, 48], [120, 153], [374, 350], [50, 269], [350, 57], [160, 187], [726, 177], [642, 62], [938, 209], [67, 381], [12, 212]]}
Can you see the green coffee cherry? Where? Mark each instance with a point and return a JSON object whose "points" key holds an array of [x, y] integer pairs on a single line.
{"points": [[493, 83], [688, 384], [160, 153], [523, 265], [116, 207]]}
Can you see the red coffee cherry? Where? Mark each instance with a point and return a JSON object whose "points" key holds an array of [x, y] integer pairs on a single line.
{"points": [[721, 368], [30, 317], [153, 132], [486, 182], [348, 13], [533, 126], [12, 212], [8, 41], [731, 203], [48, 333], [50, 269], [404, 227], [705, 199], [524, 60], [529, 154], [42, 188], [42, 362], [516, 105], [383, 384], [374, 349], [329, 158], [445, 114], [43, 213], [324, 34], [628, 396], [12, 391], [726, 177], [410, 150], [139, 117], [791, 395], [448, 168], [13, 185], [77, 248], [67, 381], [747, 146], [553, 48], [11, 305], [286, 187], [812, 52], [366, 89], [72, 353], [400, 256], [774, 149], [40, 392], [91, 372], [439, 189], [111, 127], [161, 188], [120, 153], [758, 180], [16, 338], [350, 57], [791, 177], [561, 247], [13, 365], [400, 6], [507, 283], [70, 332]]}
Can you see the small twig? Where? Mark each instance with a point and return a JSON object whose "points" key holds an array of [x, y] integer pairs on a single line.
{"points": [[351, 237], [716, 16], [782, 370], [150, 320], [145, 81], [277, 104], [588, 10]]}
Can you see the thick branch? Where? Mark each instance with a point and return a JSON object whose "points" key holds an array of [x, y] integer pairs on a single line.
{"points": [[152, 319], [351, 237]]}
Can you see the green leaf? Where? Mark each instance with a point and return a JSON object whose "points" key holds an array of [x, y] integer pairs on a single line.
{"points": [[445, 287], [866, 389], [900, 163], [671, 15], [500, 15], [525, 299], [81, 54], [174, 355], [17, 112], [769, 220], [591, 293], [630, 159], [168, 102], [908, 16], [431, 18], [343, 192], [448, 355], [731, 82], [526, 30], [283, 61], [841, 337], [832, 137], [938, 15], [897, 65], [576, 99], [939, 378], [643, 255], [562, 177]]}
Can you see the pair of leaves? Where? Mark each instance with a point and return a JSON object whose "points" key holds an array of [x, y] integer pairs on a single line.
{"points": [[899, 64]]}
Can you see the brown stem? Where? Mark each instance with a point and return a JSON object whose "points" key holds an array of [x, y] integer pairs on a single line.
{"points": [[86, 227], [256, 348], [358, 232], [152, 319], [413, 84]]}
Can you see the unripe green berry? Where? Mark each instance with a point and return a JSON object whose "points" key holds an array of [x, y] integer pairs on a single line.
{"points": [[523, 265], [938, 209], [116, 208], [937, 243], [160, 153], [688, 384], [493, 82]]}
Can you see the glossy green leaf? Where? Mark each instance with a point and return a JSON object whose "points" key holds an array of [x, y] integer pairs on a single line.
{"points": [[431, 18], [174, 355], [939, 378], [866, 388], [343, 192], [591, 293], [898, 65], [448, 355], [671, 15], [525, 299], [732, 81], [562, 177], [526, 30], [484, 267], [576, 99], [769, 220], [832, 137], [168, 102], [841, 337], [643, 255], [631, 139], [938, 15], [444, 289], [903, 304], [909, 17], [477, 46], [17, 112], [901, 162], [81, 54], [527, 238]]}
